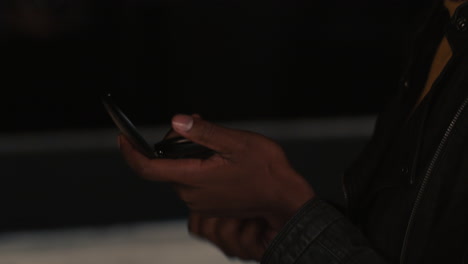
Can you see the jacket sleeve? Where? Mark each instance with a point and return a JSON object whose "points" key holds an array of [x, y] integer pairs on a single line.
{"points": [[320, 234]]}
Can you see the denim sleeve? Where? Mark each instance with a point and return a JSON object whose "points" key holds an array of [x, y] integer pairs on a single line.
{"points": [[319, 234]]}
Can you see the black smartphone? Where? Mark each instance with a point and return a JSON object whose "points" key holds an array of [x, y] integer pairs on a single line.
{"points": [[172, 148]]}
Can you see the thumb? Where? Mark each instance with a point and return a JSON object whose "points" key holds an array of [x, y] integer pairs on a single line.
{"points": [[215, 137]]}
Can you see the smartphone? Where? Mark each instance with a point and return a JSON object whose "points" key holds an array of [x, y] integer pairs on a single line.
{"points": [[172, 148]]}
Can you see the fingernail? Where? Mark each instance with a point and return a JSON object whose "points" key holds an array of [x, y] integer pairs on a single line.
{"points": [[182, 122]]}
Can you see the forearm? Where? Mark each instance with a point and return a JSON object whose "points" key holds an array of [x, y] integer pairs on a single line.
{"points": [[318, 234]]}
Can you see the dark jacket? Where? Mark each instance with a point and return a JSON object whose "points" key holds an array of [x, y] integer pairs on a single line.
{"points": [[407, 193]]}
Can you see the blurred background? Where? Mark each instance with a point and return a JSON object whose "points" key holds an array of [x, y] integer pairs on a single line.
{"points": [[311, 74]]}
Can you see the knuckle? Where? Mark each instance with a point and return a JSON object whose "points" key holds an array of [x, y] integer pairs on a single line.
{"points": [[248, 238], [273, 148], [270, 143], [247, 142], [193, 228], [207, 132], [223, 234], [208, 231], [231, 230]]}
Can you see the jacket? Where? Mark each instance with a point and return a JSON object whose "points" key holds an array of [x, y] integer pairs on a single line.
{"points": [[407, 192]]}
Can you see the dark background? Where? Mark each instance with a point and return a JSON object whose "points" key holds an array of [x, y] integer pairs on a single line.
{"points": [[227, 60]]}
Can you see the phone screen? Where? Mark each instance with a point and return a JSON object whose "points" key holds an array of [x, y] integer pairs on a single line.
{"points": [[126, 127]]}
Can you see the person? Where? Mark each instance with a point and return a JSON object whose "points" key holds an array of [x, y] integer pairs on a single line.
{"points": [[406, 193]]}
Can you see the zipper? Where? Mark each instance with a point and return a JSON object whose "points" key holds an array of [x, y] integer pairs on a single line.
{"points": [[431, 165], [404, 80], [427, 176]]}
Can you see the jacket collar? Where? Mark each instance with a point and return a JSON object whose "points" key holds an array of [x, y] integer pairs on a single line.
{"points": [[456, 30]]}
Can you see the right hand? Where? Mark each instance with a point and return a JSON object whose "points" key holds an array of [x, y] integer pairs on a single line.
{"points": [[249, 177]]}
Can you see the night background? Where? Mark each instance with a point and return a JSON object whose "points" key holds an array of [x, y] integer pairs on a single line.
{"points": [[223, 59], [230, 61]]}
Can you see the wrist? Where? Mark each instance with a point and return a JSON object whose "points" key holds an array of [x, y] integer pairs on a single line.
{"points": [[289, 201]]}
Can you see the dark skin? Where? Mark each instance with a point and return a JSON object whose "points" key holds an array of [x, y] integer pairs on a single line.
{"points": [[239, 198]]}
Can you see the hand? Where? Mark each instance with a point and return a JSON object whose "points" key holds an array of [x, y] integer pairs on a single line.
{"points": [[246, 239], [249, 177], [172, 133]]}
